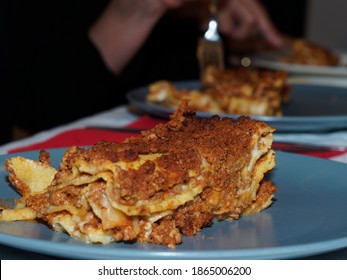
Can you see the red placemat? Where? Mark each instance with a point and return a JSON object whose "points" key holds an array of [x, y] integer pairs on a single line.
{"points": [[89, 136]]}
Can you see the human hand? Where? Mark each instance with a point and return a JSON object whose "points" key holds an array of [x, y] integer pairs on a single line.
{"points": [[238, 19]]}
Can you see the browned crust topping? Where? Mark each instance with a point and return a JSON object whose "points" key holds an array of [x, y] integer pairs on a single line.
{"points": [[241, 91], [215, 153], [304, 52]]}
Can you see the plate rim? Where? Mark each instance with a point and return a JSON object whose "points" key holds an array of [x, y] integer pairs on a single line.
{"points": [[267, 59], [276, 252], [80, 250], [327, 122]]}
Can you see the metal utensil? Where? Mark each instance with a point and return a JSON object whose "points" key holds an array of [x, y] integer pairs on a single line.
{"points": [[305, 147], [210, 51]]}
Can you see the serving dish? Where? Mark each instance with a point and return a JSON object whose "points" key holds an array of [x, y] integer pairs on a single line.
{"points": [[306, 218]]}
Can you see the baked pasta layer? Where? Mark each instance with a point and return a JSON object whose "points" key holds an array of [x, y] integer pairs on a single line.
{"points": [[171, 180], [303, 52], [241, 91]]}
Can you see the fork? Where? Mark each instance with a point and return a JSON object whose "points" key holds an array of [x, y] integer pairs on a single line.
{"points": [[210, 51], [304, 147]]}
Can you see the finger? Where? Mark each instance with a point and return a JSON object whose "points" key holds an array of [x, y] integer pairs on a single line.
{"points": [[225, 19], [263, 22], [244, 20], [173, 3]]}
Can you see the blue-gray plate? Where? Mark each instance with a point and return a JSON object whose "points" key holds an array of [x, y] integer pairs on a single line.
{"points": [[307, 218], [310, 108], [270, 60]]}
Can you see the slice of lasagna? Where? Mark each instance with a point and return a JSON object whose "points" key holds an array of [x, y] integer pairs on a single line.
{"points": [[171, 180], [240, 91], [303, 52]]}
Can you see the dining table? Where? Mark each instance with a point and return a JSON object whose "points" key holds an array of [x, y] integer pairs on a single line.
{"points": [[121, 122]]}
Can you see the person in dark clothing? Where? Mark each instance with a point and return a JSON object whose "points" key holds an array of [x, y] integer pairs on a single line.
{"points": [[63, 70]]}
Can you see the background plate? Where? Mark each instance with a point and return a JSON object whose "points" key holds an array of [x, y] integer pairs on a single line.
{"points": [[269, 60], [307, 218], [311, 107]]}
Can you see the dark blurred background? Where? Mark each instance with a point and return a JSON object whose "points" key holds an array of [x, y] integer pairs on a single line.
{"points": [[288, 15], [43, 54]]}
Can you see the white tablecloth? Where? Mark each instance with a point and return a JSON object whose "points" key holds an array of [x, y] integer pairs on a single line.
{"points": [[117, 117], [121, 116]]}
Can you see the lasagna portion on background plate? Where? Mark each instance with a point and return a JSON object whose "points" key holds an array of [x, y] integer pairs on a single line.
{"points": [[238, 91], [303, 52], [174, 179]]}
